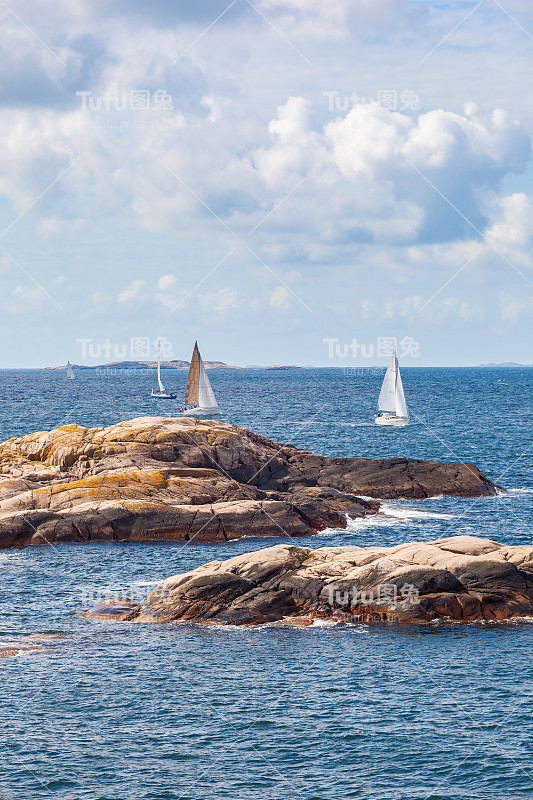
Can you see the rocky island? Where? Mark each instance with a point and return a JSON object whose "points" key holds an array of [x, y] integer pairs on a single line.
{"points": [[461, 578], [156, 478], [111, 366]]}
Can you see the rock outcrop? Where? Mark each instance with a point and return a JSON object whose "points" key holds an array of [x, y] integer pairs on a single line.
{"points": [[155, 478], [462, 578]]}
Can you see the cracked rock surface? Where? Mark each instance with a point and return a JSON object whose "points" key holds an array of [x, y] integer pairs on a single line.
{"points": [[157, 478], [462, 578]]}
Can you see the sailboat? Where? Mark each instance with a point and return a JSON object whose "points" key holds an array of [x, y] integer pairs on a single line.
{"points": [[199, 396], [70, 372], [162, 394], [392, 410]]}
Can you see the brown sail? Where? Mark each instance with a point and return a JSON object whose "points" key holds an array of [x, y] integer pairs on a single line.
{"points": [[191, 392]]}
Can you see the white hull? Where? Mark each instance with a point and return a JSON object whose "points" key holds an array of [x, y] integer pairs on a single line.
{"points": [[391, 421], [164, 395], [200, 412]]}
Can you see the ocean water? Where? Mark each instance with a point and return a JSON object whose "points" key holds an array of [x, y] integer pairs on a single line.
{"points": [[115, 711]]}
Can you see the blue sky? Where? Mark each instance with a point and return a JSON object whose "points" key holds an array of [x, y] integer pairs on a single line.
{"points": [[265, 176]]}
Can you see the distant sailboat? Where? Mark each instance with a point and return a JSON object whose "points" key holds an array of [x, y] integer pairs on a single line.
{"points": [[70, 372], [162, 394], [199, 396], [392, 410]]}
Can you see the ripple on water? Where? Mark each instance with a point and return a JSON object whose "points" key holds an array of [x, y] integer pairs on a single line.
{"points": [[150, 712]]}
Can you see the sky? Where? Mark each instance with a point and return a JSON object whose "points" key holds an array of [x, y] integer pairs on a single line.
{"points": [[286, 181]]}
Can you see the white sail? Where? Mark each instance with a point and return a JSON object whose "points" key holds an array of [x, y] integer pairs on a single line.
{"points": [[387, 396], [70, 372], [206, 395], [199, 396], [391, 398], [160, 382], [401, 407]]}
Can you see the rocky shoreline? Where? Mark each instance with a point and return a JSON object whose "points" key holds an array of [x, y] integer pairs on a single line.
{"points": [[156, 478], [460, 579]]}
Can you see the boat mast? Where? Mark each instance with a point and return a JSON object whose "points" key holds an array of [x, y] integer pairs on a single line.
{"points": [[161, 387]]}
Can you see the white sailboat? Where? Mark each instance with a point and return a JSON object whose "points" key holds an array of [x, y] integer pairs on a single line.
{"points": [[199, 396], [162, 394], [70, 372], [392, 409]]}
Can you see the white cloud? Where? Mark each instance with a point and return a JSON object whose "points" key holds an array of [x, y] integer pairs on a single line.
{"points": [[99, 298], [133, 293], [320, 188], [216, 106], [166, 282], [414, 309], [514, 224], [512, 307], [168, 293], [50, 227], [382, 171], [219, 301], [341, 205], [338, 18], [26, 298], [279, 298]]}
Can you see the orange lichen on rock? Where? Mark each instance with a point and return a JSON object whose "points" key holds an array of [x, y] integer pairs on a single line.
{"points": [[200, 480]]}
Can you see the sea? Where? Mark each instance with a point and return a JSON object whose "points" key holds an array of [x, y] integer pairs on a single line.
{"points": [[121, 711]]}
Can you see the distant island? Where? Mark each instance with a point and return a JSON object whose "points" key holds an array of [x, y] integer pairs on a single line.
{"points": [[184, 365], [506, 364], [175, 364], [291, 366], [274, 366]]}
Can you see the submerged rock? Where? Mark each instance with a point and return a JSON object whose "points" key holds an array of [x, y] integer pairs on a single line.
{"points": [[462, 578], [120, 609], [34, 643], [156, 478]]}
